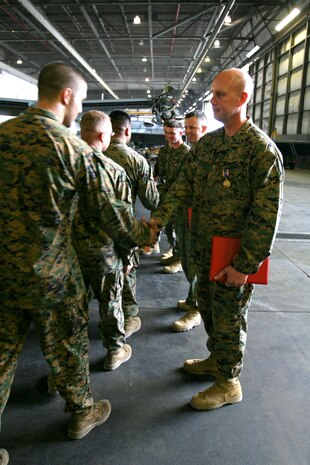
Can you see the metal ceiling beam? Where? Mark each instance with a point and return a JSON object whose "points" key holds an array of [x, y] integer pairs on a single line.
{"points": [[149, 9], [17, 73], [44, 22], [102, 44], [180, 23], [225, 11]]}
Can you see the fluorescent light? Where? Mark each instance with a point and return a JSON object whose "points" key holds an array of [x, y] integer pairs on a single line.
{"points": [[137, 20], [295, 12], [254, 50]]}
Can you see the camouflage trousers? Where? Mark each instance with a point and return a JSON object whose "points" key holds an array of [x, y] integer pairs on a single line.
{"points": [[62, 331], [108, 290], [189, 268], [129, 301], [172, 237], [224, 312]]}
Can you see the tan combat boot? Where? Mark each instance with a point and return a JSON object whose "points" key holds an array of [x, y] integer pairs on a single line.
{"points": [[82, 423], [132, 325], [167, 254], [116, 357], [183, 305], [188, 321], [201, 366], [175, 267], [224, 391], [4, 457]]}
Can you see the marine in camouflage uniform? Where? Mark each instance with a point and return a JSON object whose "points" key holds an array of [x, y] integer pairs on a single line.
{"points": [[102, 262], [142, 185], [160, 177], [170, 171], [45, 170], [235, 181], [195, 127]]}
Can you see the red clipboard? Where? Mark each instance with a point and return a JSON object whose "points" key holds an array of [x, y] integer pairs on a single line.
{"points": [[223, 251]]}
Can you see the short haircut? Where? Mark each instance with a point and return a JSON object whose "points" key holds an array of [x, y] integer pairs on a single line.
{"points": [[57, 76], [120, 120], [240, 80], [172, 123], [196, 114], [93, 121]]}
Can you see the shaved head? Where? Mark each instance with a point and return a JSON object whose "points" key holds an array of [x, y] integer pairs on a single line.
{"points": [[238, 79]]}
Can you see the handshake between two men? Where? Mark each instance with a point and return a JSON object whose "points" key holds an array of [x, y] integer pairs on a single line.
{"points": [[154, 229]]}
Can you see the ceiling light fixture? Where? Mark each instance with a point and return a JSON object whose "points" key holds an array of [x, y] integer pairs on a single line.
{"points": [[52, 30], [194, 79], [19, 61], [141, 43], [137, 20], [227, 20], [254, 50], [148, 91], [144, 59], [199, 70], [216, 43], [295, 12], [147, 79], [207, 59]]}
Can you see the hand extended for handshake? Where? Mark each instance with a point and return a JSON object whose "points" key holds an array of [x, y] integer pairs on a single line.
{"points": [[154, 229]]}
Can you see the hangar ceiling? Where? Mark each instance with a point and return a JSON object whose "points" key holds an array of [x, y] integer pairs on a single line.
{"points": [[173, 44]]}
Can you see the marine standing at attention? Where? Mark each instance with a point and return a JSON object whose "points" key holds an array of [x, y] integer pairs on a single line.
{"points": [[236, 185]]}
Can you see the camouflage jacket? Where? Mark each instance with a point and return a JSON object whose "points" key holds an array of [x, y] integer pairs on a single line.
{"points": [[248, 205], [45, 170], [172, 165], [99, 251], [160, 165], [138, 171]]}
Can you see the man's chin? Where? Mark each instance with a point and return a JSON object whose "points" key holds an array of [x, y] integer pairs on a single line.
{"points": [[217, 117]]}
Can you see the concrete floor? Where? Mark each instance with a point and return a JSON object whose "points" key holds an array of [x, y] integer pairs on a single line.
{"points": [[151, 421]]}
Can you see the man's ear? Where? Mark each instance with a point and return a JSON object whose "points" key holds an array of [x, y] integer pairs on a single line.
{"points": [[101, 136], [127, 133], [66, 95], [244, 98]]}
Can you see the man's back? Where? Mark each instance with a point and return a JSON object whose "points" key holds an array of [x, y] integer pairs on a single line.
{"points": [[38, 198], [138, 171]]}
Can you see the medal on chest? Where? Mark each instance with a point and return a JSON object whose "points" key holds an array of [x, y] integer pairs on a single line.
{"points": [[226, 182]]}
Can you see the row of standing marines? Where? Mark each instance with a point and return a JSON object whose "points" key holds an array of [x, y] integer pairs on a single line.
{"points": [[68, 226]]}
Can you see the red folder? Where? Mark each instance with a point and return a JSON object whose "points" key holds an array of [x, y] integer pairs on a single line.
{"points": [[223, 251]]}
